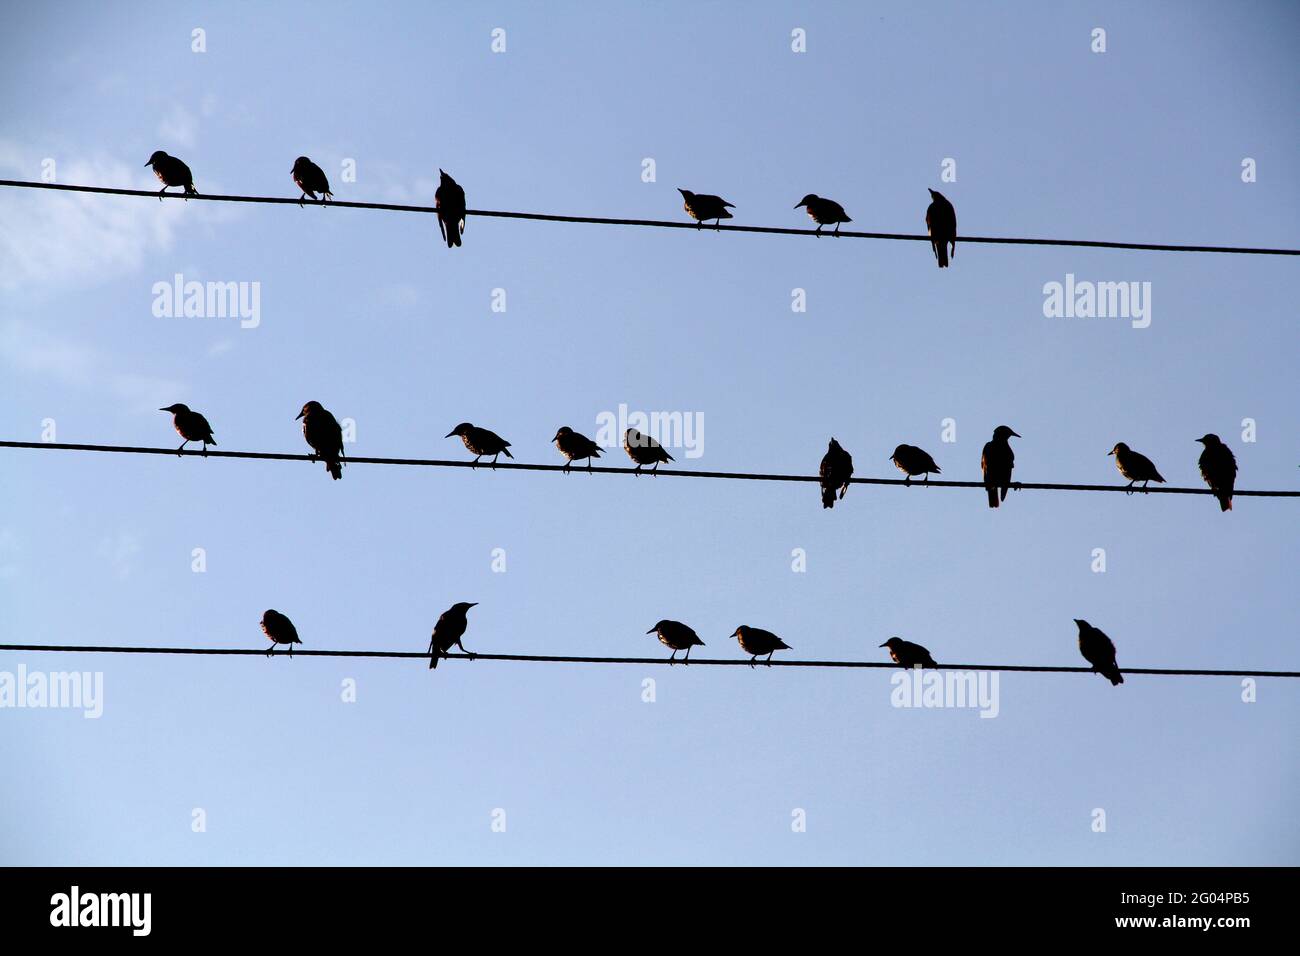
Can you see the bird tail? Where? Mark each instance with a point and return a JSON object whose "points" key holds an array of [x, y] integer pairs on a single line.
{"points": [[190, 190], [828, 497], [993, 496], [504, 451], [453, 234], [433, 658], [1114, 676], [335, 468], [1225, 502], [941, 253]]}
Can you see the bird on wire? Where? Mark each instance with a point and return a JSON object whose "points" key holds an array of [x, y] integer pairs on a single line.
{"points": [[679, 637], [171, 172], [280, 630], [913, 461], [702, 207], [448, 631], [1099, 651], [575, 447], [941, 220], [191, 426], [907, 654], [449, 199], [1134, 466], [323, 433], [644, 450], [756, 642], [824, 212], [1219, 469], [996, 463], [310, 178], [835, 472], [481, 442]]}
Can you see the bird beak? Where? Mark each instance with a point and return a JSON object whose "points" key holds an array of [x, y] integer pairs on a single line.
{"points": [[148, 164], [1016, 434], [886, 644], [555, 437], [448, 435], [797, 205], [473, 603], [164, 409], [652, 630], [1111, 452], [298, 416]]}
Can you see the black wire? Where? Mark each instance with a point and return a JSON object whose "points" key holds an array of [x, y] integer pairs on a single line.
{"points": [[663, 224]]}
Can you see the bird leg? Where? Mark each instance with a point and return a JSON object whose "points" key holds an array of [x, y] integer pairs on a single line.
{"points": [[463, 651], [205, 449], [752, 660], [769, 657], [672, 659], [907, 479], [182, 448], [300, 199], [1144, 485], [687, 658], [494, 460], [655, 470], [270, 650], [567, 464], [637, 469], [818, 231], [589, 464], [474, 463], [291, 650], [160, 193], [837, 229]]}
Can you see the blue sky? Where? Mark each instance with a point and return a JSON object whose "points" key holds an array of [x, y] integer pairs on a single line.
{"points": [[369, 314]]}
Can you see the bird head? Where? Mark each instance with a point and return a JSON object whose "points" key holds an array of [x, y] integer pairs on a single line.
{"points": [[1119, 447], [936, 195], [900, 450], [657, 627], [1002, 433], [892, 642], [833, 445], [157, 157], [563, 430], [740, 631], [810, 198], [444, 179], [460, 430], [175, 409], [1082, 623], [300, 164], [634, 437], [270, 614], [462, 606], [308, 409], [1209, 440], [686, 194]]}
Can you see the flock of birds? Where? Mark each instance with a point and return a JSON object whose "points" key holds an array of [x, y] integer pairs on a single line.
{"points": [[1097, 649], [449, 201], [325, 437]]}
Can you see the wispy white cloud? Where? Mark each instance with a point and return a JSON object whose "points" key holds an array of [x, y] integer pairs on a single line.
{"points": [[179, 128]]}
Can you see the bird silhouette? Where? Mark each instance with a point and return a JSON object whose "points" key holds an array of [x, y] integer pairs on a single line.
{"points": [[644, 450], [171, 172], [1134, 466], [323, 434], [824, 212], [703, 207], [191, 426], [448, 632], [449, 199], [1219, 469], [310, 178], [575, 447], [907, 654], [756, 642], [1099, 651], [997, 461], [678, 636], [481, 442], [913, 461], [835, 472], [941, 220], [280, 630]]}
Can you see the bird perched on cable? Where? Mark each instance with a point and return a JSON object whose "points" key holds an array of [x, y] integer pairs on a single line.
{"points": [[448, 632], [171, 172], [644, 450], [1099, 651], [323, 434], [756, 642], [191, 426], [310, 178], [703, 207], [996, 462], [824, 212], [1134, 466], [678, 636], [913, 461], [481, 442], [907, 654], [835, 472], [575, 447], [1219, 469], [280, 630], [941, 219], [449, 199]]}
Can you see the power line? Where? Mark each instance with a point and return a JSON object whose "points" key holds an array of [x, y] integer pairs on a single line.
{"points": [[573, 659], [664, 224], [607, 470]]}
